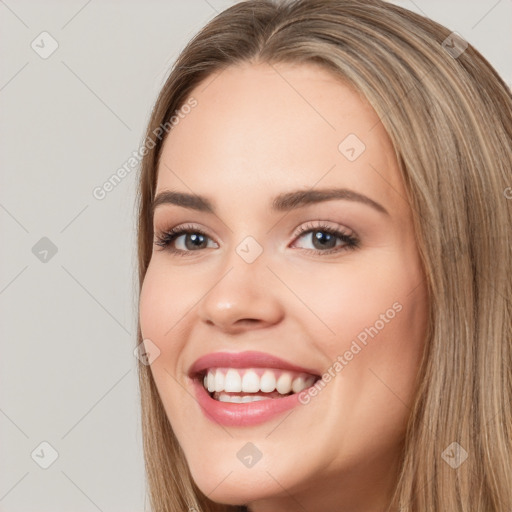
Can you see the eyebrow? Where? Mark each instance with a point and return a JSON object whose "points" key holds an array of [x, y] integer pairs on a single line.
{"points": [[282, 203]]}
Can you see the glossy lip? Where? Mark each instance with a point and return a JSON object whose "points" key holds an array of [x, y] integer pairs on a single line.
{"points": [[242, 414], [248, 359]]}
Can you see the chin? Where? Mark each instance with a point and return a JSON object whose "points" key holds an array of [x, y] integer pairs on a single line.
{"points": [[234, 487]]}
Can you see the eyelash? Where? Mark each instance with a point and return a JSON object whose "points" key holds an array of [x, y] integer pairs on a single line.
{"points": [[165, 239]]}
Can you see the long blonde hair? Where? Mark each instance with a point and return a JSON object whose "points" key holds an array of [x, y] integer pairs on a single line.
{"points": [[449, 117]]}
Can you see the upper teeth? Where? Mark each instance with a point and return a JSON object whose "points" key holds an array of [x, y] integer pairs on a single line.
{"points": [[253, 380]]}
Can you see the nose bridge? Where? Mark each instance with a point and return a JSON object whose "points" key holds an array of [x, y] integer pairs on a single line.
{"points": [[242, 290], [249, 250], [248, 260]]}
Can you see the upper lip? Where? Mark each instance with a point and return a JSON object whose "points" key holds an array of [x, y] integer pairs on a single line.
{"points": [[248, 359]]}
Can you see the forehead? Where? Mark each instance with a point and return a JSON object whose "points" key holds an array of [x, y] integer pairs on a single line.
{"points": [[260, 128]]}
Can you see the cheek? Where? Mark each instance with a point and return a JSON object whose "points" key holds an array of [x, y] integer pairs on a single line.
{"points": [[162, 307], [162, 316], [349, 299], [378, 318], [151, 305], [165, 298]]}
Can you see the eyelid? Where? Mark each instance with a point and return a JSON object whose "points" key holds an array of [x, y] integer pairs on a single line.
{"points": [[322, 224], [302, 228], [185, 226]]}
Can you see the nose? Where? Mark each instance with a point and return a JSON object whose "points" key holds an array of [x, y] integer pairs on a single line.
{"points": [[244, 296]]}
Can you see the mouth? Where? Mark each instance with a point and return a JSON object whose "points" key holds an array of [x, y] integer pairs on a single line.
{"points": [[244, 389]]}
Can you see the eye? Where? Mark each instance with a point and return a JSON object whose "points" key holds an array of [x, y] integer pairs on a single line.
{"points": [[324, 239], [194, 239]]}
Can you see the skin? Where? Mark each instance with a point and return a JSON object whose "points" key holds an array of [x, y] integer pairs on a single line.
{"points": [[253, 136]]}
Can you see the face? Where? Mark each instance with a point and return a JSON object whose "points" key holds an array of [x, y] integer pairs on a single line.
{"points": [[300, 268]]}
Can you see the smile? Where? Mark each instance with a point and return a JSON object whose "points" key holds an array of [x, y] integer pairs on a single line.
{"points": [[248, 388]]}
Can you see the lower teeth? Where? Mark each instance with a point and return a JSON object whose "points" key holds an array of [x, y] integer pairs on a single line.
{"points": [[241, 399]]}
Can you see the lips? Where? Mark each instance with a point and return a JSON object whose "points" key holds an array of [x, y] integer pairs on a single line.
{"points": [[243, 407]]}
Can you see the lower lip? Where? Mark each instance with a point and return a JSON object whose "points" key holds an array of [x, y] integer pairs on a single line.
{"points": [[242, 415]]}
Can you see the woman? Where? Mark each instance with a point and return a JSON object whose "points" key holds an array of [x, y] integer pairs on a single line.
{"points": [[325, 267]]}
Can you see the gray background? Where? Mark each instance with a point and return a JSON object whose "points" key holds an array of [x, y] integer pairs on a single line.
{"points": [[68, 324]]}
